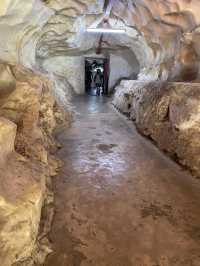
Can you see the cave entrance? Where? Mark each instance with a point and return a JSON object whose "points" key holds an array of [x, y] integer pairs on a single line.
{"points": [[96, 76]]}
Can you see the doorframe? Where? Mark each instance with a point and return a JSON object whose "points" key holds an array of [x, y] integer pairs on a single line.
{"points": [[106, 62]]}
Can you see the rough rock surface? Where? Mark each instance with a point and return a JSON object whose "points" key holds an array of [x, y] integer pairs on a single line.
{"points": [[164, 35], [22, 194], [29, 116], [168, 113]]}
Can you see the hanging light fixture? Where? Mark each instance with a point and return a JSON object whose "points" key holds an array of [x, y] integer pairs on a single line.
{"points": [[105, 30], [105, 27]]}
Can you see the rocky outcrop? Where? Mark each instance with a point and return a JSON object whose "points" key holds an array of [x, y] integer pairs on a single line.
{"points": [[29, 117], [167, 113], [22, 191]]}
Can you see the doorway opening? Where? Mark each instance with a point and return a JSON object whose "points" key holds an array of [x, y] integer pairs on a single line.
{"points": [[96, 76]]}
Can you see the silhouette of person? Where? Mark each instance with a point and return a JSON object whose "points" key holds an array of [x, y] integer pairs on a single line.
{"points": [[98, 81]]}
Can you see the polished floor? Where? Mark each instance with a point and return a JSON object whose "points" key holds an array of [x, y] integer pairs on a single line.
{"points": [[118, 200]]}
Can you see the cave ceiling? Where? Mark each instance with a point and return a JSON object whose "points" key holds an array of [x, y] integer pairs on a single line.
{"points": [[163, 34]]}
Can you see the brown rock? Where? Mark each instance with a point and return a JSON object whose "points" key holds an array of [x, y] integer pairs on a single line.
{"points": [[27, 124], [168, 113]]}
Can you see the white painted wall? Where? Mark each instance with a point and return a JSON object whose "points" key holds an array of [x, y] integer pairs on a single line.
{"points": [[122, 65]]}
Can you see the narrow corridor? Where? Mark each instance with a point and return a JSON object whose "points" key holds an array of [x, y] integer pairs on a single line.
{"points": [[118, 200]]}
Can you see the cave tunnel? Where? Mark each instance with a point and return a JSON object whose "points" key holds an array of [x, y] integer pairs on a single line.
{"points": [[99, 133]]}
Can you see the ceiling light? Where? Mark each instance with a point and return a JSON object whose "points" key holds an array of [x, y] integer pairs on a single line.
{"points": [[99, 30]]}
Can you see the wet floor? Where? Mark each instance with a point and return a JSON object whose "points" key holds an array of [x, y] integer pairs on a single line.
{"points": [[118, 200]]}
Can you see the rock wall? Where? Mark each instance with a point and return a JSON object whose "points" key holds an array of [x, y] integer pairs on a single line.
{"points": [[40, 35], [69, 67], [164, 36], [29, 116], [167, 113]]}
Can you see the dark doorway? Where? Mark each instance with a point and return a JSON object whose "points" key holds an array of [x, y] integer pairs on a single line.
{"points": [[96, 76]]}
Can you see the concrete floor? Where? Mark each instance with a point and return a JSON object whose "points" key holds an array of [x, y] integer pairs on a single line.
{"points": [[118, 200]]}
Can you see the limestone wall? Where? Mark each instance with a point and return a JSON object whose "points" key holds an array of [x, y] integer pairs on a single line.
{"points": [[70, 67], [28, 117], [164, 35], [42, 46], [167, 113]]}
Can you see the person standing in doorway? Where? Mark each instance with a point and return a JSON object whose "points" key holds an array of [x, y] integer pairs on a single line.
{"points": [[98, 81]]}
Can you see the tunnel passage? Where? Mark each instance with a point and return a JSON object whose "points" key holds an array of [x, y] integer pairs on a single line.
{"points": [[120, 202], [125, 199]]}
